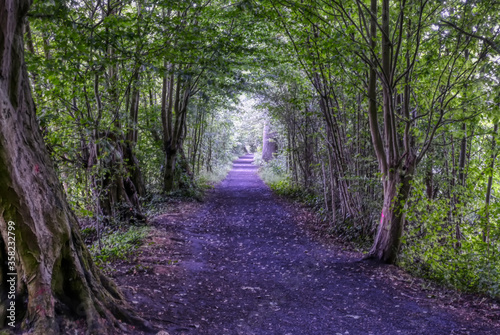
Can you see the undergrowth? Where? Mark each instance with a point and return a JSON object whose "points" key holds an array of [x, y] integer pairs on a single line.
{"points": [[208, 179], [158, 203], [118, 245], [430, 247], [274, 174], [468, 269]]}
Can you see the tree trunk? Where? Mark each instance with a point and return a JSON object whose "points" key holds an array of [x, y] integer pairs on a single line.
{"points": [[325, 187], [396, 191], [397, 170], [132, 137], [269, 146], [174, 129], [115, 185], [333, 188], [134, 170], [169, 173], [55, 272], [486, 231]]}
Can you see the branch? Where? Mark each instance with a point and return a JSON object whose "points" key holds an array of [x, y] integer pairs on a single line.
{"points": [[491, 43]]}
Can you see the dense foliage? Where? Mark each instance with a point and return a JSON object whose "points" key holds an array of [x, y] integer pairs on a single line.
{"points": [[125, 89], [402, 93], [385, 113]]}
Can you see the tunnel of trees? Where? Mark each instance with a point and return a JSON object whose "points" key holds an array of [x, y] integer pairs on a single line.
{"points": [[382, 115]]}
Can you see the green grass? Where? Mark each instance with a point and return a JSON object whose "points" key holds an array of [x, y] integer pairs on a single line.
{"points": [[280, 182]]}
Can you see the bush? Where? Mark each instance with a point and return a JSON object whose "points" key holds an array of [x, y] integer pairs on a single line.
{"points": [[274, 174], [431, 249]]}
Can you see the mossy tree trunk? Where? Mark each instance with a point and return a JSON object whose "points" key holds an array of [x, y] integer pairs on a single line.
{"points": [[55, 272], [397, 185]]}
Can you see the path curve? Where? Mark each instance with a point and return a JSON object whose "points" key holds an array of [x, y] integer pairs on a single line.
{"points": [[248, 269]]}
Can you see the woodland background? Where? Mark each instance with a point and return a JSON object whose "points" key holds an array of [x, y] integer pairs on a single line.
{"points": [[372, 109]]}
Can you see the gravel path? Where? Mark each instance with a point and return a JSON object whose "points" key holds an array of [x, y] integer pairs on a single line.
{"points": [[245, 267]]}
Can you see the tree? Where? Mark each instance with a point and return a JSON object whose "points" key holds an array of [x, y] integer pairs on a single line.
{"points": [[86, 63], [410, 120], [269, 145], [384, 43], [55, 271]]}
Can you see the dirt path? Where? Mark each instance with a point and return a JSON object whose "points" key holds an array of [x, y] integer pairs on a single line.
{"points": [[245, 267]]}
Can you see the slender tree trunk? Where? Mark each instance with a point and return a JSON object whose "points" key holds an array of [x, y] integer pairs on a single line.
{"points": [[166, 115], [134, 110], [269, 147], [333, 187], [135, 179], [294, 151], [486, 232], [325, 187], [458, 199], [134, 182], [348, 202], [54, 269]]}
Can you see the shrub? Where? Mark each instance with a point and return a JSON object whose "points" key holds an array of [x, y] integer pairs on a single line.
{"points": [[118, 245]]}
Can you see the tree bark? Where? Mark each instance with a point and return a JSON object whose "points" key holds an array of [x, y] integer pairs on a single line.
{"points": [[174, 128], [55, 271]]}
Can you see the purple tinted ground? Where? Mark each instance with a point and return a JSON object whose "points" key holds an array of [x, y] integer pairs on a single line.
{"points": [[245, 267]]}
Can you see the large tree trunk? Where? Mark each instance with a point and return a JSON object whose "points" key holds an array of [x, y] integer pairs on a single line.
{"points": [[113, 174], [134, 170], [55, 272], [119, 184]]}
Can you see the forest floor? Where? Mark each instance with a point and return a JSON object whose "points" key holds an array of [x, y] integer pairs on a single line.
{"points": [[246, 262]]}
